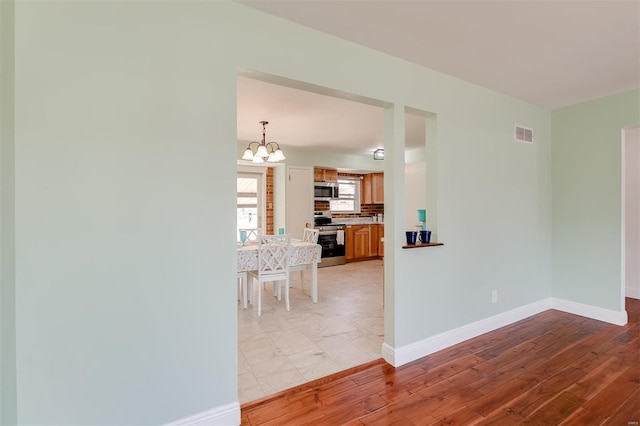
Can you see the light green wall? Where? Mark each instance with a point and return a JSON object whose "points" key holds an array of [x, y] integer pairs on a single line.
{"points": [[124, 114], [7, 220], [493, 216], [586, 198], [124, 314]]}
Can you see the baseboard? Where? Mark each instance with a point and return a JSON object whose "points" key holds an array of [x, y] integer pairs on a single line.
{"points": [[632, 292], [224, 415], [413, 351], [417, 350], [389, 355], [589, 311]]}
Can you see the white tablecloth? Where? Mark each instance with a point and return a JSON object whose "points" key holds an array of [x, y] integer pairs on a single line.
{"points": [[301, 254]]}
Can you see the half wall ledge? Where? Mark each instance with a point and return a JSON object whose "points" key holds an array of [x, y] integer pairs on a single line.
{"points": [[418, 245]]}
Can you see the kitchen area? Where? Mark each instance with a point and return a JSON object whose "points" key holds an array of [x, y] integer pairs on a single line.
{"points": [[349, 213]]}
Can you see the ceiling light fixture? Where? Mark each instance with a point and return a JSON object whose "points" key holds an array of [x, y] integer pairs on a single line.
{"points": [[378, 154], [270, 152]]}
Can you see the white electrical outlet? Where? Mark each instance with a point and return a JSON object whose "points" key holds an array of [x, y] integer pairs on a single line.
{"points": [[494, 296]]}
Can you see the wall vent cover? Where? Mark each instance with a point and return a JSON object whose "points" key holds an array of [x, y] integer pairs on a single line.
{"points": [[523, 134]]}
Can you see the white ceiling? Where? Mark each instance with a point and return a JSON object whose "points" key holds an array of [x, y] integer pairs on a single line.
{"points": [[305, 119], [551, 53]]}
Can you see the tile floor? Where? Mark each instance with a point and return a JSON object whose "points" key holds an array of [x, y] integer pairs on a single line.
{"points": [[345, 328]]}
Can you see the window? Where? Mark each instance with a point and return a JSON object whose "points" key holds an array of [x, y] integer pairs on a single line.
{"points": [[249, 200], [348, 196]]}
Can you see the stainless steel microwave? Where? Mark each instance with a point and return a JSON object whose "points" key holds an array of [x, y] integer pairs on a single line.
{"points": [[325, 191]]}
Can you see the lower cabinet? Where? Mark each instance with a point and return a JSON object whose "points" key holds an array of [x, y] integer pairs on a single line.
{"points": [[362, 241], [373, 240], [348, 242]]}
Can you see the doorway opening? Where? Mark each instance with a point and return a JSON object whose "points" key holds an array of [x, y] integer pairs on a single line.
{"points": [[281, 349]]}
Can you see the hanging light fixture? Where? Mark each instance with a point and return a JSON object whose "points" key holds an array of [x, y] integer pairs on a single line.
{"points": [[378, 154], [270, 151]]}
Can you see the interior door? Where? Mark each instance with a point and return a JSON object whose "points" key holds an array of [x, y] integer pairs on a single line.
{"points": [[299, 200]]}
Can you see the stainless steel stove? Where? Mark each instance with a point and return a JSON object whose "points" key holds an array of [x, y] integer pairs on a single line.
{"points": [[331, 238]]}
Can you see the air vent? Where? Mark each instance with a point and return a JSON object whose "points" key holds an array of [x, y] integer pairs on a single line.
{"points": [[523, 134]]}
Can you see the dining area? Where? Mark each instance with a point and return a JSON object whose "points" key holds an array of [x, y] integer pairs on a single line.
{"points": [[276, 259]]}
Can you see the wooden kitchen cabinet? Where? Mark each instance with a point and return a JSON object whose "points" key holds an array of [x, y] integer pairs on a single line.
{"points": [[325, 175], [349, 242], [362, 241], [380, 242], [372, 189], [373, 241], [357, 241], [377, 188], [365, 189]]}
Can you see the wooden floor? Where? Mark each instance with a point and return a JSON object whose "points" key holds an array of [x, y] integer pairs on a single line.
{"points": [[551, 369]]}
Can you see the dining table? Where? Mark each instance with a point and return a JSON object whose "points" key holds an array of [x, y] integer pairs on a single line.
{"points": [[301, 253]]}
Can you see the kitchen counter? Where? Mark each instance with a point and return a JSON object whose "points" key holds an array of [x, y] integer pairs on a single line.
{"points": [[357, 221]]}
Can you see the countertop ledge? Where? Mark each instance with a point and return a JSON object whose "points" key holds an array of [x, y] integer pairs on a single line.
{"points": [[358, 222]]}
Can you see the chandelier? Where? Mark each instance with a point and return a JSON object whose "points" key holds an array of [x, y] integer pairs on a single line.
{"points": [[270, 152]]}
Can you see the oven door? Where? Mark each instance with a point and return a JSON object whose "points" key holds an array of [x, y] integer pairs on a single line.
{"points": [[330, 247]]}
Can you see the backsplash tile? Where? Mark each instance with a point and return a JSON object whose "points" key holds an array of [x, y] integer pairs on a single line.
{"points": [[269, 209], [366, 210]]}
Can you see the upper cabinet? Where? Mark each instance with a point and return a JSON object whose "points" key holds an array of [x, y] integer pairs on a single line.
{"points": [[365, 189], [372, 189], [377, 188], [325, 175]]}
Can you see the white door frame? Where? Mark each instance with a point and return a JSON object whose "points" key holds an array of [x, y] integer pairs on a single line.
{"points": [[633, 292]]}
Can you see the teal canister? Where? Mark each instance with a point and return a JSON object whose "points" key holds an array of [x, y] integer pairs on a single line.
{"points": [[422, 218]]}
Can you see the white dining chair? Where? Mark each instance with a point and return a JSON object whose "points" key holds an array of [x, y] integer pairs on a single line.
{"points": [[310, 235], [273, 265]]}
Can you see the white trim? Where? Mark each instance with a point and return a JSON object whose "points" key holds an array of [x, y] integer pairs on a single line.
{"points": [[634, 293], [623, 218], [388, 354], [223, 415], [413, 351], [625, 291], [589, 311]]}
